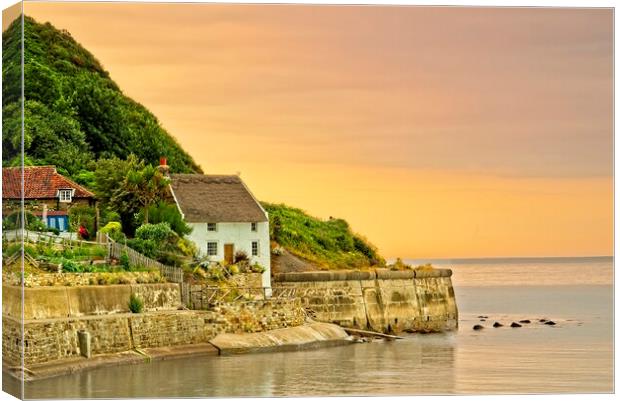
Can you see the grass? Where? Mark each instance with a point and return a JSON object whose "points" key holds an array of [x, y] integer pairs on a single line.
{"points": [[326, 243]]}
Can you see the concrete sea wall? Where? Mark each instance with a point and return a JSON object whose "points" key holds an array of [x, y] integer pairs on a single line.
{"points": [[55, 339], [380, 300]]}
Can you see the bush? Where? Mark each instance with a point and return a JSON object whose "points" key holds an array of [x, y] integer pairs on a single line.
{"points": [[256, 268], [112, 228], [145, 247], [71, 266], [159, 232], [124, 261], [240, 256], [164, 212], [135, 304]]}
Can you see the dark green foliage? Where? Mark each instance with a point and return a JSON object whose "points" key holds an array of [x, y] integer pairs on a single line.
{"points": [[146, 186], [168, 213], [144, 246], [73, 111], [135, 304], [329, 243], [124, 261], [109, 176]]}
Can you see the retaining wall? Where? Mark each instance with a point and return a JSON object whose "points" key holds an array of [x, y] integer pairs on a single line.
{"points": [[56, 339], [58, 302], [380, 300]]}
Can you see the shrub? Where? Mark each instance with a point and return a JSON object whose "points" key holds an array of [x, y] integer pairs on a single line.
{"points": [[112, 228], [171, 259], [256, 268], [71, 267], [233, 269], [135, 304], [164, 212], [187, 247], [145, 247], [159, 232], [241, 256], [124, 261]]}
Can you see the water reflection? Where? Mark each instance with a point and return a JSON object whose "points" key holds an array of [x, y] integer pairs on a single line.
{"points": [[361, 369]]}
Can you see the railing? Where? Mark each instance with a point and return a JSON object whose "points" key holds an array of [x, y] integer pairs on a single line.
{"points": [[116, 250], [65, 238]]}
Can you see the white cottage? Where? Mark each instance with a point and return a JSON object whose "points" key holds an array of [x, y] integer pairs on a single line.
{"points": [[225, 217]]}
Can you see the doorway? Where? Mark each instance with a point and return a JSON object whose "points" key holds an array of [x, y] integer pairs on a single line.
{"points": [[229, 253]]}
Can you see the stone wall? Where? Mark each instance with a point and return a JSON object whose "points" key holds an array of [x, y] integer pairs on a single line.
{"points": [[80, 279], [61, 302], [380, 300], [56, 339]]}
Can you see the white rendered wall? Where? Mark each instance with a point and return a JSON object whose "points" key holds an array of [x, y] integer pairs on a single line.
{"points": [[242, 236]]}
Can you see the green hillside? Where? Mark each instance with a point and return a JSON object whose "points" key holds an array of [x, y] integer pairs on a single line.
{"points": [[78, 119], [326, 243], [74, 113]]}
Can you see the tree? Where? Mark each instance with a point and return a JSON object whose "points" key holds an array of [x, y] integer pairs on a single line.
{"points": [[109, 177], [147, 186], [163, 212]]}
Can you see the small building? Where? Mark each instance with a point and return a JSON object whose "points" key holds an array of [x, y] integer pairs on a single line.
{"points": [[47, 194], [226, 218]]}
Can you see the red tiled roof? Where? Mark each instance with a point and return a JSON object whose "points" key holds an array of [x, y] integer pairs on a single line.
{"points": [[40, 182]]}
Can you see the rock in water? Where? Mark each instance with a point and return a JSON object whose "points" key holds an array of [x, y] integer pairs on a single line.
{"points": [[515, 324], [550, 323], [497, 324], [478, 327], [525, 321]]}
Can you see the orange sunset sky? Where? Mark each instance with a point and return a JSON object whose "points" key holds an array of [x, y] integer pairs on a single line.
{"points": [[436, 132]]}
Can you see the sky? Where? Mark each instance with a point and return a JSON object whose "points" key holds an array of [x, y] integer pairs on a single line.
{"points": [[436, 132]]}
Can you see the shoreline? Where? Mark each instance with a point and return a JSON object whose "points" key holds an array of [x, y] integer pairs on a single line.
{"points": [[299, 338]]}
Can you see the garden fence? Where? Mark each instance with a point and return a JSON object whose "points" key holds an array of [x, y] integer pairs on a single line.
{"points": [[116, 250]]}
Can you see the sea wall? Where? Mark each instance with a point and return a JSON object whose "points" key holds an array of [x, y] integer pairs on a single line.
{"points": [[60, 302], [380, 300], [57, 339]]}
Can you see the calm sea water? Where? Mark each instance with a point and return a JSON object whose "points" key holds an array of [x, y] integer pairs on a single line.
{"points": [[576, 355]]}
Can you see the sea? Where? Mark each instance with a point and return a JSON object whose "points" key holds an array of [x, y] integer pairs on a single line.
{"points": [[573, 356]]}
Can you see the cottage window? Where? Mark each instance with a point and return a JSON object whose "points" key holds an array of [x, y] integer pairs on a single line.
{"points": [[211, 248], [211, 227], [64, 195], [254, 248], [254, 225]]}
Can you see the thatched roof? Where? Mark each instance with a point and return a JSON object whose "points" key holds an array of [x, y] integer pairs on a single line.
{"points": [[215, 199]]}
